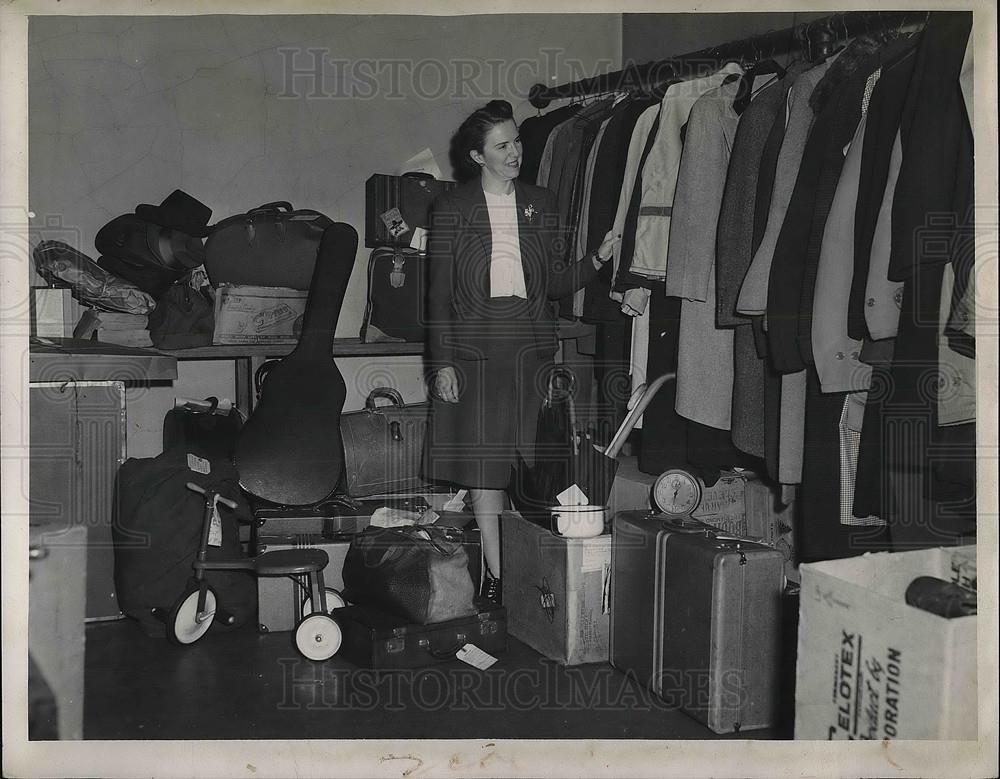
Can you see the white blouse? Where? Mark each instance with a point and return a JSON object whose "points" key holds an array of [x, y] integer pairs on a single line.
{"points": [[506, 272]]}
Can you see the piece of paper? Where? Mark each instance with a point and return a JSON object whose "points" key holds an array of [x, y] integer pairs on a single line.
{"points": [[596, 554], [573, 496], [476, 657], [422, 162], [215, 528], [418, 240], [456, 503], [390, 517]]}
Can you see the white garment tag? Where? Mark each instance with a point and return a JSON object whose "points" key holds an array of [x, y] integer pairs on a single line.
{"points": [[199, 465], [215, 528], [476, 657]]}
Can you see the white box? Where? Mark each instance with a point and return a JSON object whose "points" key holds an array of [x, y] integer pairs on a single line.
{"points": [[258, 315], [872, 667]]}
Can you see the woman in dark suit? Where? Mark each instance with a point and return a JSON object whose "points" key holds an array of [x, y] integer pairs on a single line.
{"points": [[496, 257]]}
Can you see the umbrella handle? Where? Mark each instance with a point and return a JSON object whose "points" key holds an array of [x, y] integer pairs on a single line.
{"points": [[618, 440]]}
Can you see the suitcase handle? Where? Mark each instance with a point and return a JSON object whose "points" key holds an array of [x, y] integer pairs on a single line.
{"points": [[389, 393], [442, 654], [277, 205]]}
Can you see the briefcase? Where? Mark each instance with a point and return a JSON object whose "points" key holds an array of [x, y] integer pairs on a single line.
{"points": [[383, 445], [696, 616], [396, 205], [376, 640]]}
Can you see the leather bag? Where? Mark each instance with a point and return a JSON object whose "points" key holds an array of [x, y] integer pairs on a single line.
{"points": [[383, 445], [149, 255], [272, 245], [419, 572], [396, 296]]}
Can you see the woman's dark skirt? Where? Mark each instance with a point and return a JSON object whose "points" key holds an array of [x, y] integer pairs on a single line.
{"points": [[475, 442]]}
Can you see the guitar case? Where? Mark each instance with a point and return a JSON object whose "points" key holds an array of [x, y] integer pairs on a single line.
{"points": [[290, 450]]}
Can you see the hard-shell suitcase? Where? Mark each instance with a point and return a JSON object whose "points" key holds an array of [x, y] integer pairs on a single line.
{"points": [[396, 205], [696, 616], [376, 640]]}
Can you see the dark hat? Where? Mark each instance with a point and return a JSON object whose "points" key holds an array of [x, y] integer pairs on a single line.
{"points": [[179, 211]]}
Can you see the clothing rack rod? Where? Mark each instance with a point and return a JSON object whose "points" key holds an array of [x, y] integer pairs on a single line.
{"points": [[637, 77]]}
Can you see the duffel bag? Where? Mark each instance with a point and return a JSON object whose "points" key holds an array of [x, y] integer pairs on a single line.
{"points": [[395, 308], [272, 245], [383, 445], [419, 572], [149, 255], [157, 530]]}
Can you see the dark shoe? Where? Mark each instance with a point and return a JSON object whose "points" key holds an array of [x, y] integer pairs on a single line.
{"points": [[491, 590]]}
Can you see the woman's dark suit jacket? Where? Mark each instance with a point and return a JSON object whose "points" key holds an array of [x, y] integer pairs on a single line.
{"points": [[459, 248]]}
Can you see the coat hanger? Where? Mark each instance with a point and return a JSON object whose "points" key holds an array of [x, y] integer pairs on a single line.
{"points": [[760, 67]]}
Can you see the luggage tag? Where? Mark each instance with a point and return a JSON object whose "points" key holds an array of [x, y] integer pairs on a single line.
{"points": [[199, 464], [215, 528], [476, 657], [394, 222]]}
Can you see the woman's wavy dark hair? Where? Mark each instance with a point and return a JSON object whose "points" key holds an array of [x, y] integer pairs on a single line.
{"points": [[472, 135]]}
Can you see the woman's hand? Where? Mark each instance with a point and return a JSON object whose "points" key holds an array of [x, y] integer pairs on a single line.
{"points": [[445, 385], [606, 249]]}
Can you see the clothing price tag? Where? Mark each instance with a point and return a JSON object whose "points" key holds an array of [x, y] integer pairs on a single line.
{"points": [[476, 657], [199, 465], [215, 528]]}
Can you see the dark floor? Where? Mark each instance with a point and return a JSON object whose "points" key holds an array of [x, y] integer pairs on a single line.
{"points": [[240, 684]]}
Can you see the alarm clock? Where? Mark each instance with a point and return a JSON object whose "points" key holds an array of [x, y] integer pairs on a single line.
{"points": [[677, 492]]}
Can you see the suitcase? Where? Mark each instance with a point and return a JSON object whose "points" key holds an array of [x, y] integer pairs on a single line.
{"points": [[279, 598], [379, 641], [696, 616], [395, 205], [396, 296]]}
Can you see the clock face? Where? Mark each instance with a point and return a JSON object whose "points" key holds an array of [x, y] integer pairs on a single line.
{"points": [[677, 493]]}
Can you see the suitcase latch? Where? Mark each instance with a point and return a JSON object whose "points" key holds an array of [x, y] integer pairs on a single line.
{"points": [[394, 646], [547, 599], [397, 277]]}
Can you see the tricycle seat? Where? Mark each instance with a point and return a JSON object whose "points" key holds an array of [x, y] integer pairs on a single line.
{"points": [[289, 562]]}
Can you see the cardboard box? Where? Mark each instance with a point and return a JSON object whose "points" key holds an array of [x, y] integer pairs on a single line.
{"points": [[872, 667], [556, 591], [54, 312], [258, 315]]}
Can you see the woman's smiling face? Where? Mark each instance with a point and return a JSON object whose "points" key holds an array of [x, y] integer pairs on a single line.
{"points": [[501, 155]]}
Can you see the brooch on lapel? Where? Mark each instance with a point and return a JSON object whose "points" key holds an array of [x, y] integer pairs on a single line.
{"points": [[529, 212]]}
